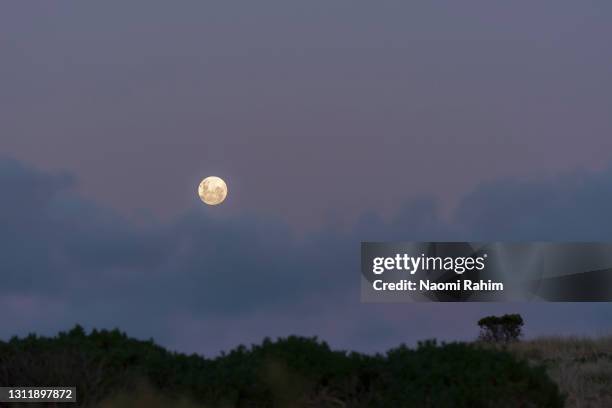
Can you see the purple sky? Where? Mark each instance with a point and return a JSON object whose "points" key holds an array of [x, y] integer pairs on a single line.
{"points": [[315, 113], [312, 111]]}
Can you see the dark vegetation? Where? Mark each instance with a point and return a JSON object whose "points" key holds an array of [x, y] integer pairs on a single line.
{"points": [[289, 372], [501, 329]]}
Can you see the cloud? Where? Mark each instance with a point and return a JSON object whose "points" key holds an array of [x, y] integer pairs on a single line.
{"points": [[570, 207], [200, 283]]}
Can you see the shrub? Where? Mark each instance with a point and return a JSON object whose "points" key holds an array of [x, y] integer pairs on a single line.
{"points": [[501, 329], [465, 375], [288, 372]]}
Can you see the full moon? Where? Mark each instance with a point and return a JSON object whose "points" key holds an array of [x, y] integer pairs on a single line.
{"points": [[212, 190]]}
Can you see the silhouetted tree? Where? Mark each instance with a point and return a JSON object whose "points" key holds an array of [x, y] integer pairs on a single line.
{"points": [[501, 329]]}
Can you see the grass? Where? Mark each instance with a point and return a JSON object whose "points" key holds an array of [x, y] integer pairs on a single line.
{"points": [[582, 367]]}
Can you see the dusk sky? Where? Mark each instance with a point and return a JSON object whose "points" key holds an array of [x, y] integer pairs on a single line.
{"points": [[332, 123]]}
